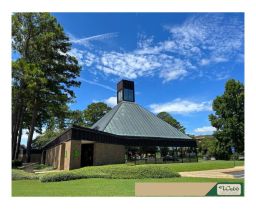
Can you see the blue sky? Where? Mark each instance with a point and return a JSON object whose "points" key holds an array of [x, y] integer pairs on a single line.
{"points": [[179, 61]]}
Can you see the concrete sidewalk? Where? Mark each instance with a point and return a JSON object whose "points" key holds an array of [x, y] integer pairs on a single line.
{"points": [[218, 173]]}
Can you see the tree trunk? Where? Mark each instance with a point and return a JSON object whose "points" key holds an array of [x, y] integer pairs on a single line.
{"points": [[31, 132], [16, 130], [18, 144], [14, 119]]}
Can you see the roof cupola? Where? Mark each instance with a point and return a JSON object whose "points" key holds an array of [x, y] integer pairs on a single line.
{"points": [[125, 91]]}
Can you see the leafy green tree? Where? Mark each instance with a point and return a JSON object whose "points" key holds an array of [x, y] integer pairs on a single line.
{"points": [[172, 121], [44, 138], [95, 111], [76, 117], [207, 146], [229, 119], [57, 124], [44, 73]]}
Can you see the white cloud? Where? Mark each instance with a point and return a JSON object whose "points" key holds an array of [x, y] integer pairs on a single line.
{"points": [[84, 58], [216, 35], [111, 101], [144, 41], [179, 106], [173, 74], [205, 62], [205, 130], [213, 60], [133, 65], [201, 41]]}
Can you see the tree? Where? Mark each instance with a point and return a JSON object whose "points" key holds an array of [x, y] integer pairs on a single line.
{"points": [[44, 72], [207, 146], [76, 117], [229, 119], [95, 111], [172, 121], [46, 137], [57, 124]]}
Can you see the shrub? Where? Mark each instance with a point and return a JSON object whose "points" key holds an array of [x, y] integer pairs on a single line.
{"points": [[113, 172], [61, 176], [22, 175], [140, 172], [16, 163], [69, 175]]}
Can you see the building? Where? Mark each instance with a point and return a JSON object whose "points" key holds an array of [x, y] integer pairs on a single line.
{"points": [[126, 125], [35, 154]]}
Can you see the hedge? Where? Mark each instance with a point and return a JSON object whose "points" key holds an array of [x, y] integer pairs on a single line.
{"points": [[22, 175], [61, 176], [112, 172]]}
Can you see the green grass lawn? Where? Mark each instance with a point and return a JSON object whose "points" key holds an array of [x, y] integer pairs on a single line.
{"points": [[115, 180], [197, 166], [175, 167], [93, 187], [136, 171]]}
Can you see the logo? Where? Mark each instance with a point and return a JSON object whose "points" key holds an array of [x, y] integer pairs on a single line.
{"points": [[229, 189]]}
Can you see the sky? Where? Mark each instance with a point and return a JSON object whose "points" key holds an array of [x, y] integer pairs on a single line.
{"points": [[179, 62]]}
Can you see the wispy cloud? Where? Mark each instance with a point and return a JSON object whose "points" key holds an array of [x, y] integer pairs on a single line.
{"points": [[179, 106], [87, 41], [97, 84], [212, 60], [84, 58], [201, 41], [205, 130]]}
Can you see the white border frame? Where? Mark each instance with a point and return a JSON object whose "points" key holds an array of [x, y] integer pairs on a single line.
{"points": [[247, 6]]}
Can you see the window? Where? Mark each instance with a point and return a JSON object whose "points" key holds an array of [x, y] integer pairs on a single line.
{"points": [[128, 95], [120, 96]]}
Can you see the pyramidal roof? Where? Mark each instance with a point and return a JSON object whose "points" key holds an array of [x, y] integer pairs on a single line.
{"points": [[130, 119]]}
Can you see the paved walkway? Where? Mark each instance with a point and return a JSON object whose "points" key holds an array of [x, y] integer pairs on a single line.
{"points": [[28, 167], [45, 172], [228, 173]]}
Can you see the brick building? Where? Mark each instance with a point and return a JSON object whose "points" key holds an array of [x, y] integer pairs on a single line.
{"points": [[127, 124]]}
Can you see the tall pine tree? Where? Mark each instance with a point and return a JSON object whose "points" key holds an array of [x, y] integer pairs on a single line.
{"points": [[44, 72]]}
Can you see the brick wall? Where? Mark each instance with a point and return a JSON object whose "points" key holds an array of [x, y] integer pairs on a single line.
{"points": [[108, 154], [67, 155], [52, 156]]}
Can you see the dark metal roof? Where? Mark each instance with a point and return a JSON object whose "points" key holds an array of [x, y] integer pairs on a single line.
{"points": [[130, 119], [81, 133]]}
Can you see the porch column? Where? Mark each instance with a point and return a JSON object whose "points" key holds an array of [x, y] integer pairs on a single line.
{"points": [[181, 154], [72, 154], [61, 156]]}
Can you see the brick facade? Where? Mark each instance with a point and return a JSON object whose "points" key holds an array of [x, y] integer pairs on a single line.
{"points": [[67, 155], [108, 154]]}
